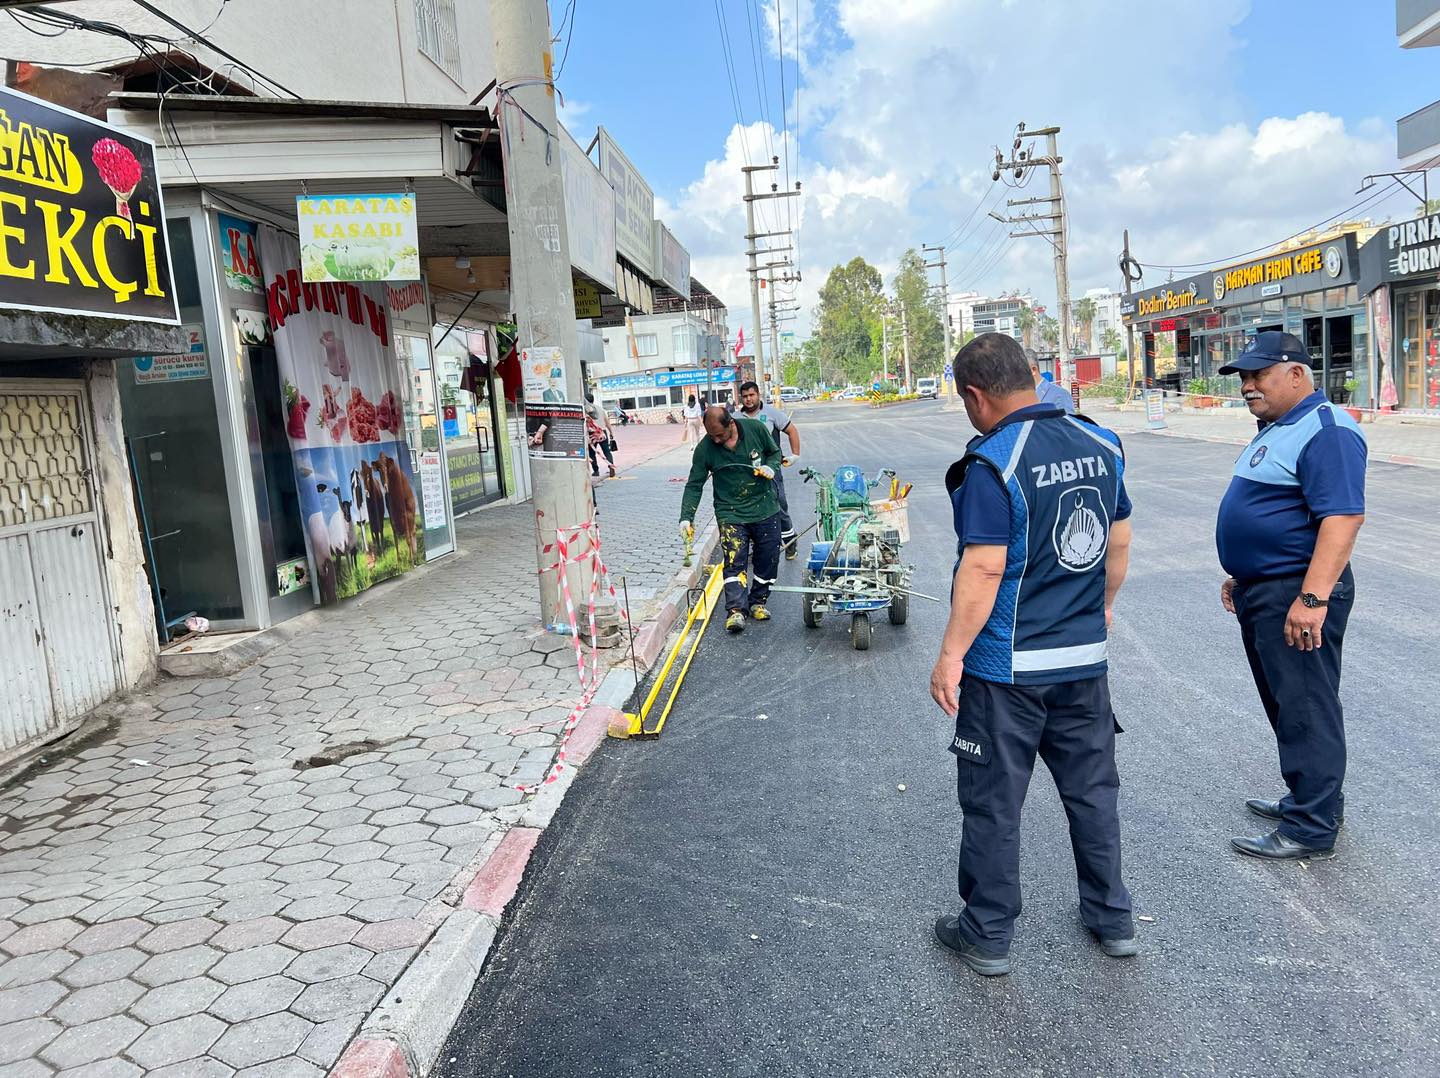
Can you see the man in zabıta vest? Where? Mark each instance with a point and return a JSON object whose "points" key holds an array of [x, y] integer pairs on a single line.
{"points": [[1043, 530]]}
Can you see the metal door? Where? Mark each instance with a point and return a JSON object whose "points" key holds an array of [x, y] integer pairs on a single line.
{"points": [[56, 635]]}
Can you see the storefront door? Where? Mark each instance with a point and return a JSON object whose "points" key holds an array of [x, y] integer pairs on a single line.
{"points": [[422, 428], [1411, 347]]}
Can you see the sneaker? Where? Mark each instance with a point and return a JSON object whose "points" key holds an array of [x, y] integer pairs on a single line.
{"points": [[759, 613], [735, 622], [947, 931]]}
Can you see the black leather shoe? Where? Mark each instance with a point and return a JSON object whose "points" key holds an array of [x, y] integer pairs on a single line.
{"points": [[947, 931], [1270, 810], [1276, 847]]}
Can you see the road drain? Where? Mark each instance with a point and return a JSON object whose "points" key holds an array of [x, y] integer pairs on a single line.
{"points": [[333, 754]]}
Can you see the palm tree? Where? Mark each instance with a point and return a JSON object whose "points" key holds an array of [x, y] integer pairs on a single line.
{"points": [[1111, 341], [1050, 331], [1085, 315], [1025, 320]]}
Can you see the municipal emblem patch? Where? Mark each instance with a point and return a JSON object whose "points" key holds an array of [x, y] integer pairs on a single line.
{"points": [[1082, 529], [1258, 456]]}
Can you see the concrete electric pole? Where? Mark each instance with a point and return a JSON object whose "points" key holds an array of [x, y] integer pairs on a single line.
{"points": [[542, 292], [753, 252], [905, 344], [1131, 272], [1020, 163], [944, 304]]}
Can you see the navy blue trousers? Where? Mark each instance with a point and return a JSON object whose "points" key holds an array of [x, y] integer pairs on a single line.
{"points": [[756, 546], [1300, 691], [998, 732]]}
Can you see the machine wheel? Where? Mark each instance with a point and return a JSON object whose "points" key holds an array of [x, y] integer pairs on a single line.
{"points": [[807, 612], [899, 609], [860, 632]]}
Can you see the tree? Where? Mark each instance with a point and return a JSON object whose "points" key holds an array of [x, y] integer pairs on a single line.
{"points": [[1085, 316], [924, 314], [1026, 321], [802, 367], [1112, 341], [1050, 331], [849, 306]]}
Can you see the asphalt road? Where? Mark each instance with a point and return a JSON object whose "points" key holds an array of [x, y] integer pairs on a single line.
{"points": [[753, 894]]}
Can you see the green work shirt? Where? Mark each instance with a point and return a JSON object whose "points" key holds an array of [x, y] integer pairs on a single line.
{"points": [[741, 496]]}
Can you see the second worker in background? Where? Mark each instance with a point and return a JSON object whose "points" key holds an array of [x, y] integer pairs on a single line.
{"points": [[741, 460]]}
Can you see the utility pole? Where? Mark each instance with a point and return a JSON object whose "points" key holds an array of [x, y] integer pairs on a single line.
{"points": [[1131, 273], [885, 344], [1020, 163], [944, 305], [542, 292], [753, 252], [778, 308], [905, 343]]}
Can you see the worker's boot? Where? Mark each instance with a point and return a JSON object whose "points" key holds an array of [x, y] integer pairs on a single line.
{"points": [[759, 613], [735, 622]]}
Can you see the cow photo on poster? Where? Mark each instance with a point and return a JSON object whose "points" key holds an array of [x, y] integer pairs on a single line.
{"points": [[344, 403]]}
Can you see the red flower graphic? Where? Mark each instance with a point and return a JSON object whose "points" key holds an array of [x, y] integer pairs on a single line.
{"points": [[119, 169]]}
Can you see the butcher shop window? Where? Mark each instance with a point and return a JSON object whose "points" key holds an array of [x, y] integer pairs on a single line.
{"points": [[438, 34]]}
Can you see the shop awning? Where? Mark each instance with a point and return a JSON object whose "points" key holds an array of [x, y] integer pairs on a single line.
{"points": [[266, 151]]}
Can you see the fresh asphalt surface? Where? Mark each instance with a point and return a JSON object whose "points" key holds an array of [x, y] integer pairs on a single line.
{"points": [[753, 894]]}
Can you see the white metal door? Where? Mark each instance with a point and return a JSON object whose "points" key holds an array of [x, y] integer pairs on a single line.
{"points": [[56, 637]]}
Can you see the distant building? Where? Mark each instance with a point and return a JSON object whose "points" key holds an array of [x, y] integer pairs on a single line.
{"points": [[1107, 317], [1000, 315], [656, 361]]}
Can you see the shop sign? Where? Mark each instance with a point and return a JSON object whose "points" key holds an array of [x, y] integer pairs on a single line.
{"points": [[82, 222], [358, 237], [587, 299], [467, 480], [432, 489], [634, 206], [555, 431], [590, 213], [240, 255], [694, 378], [1167, 300], [1401, 251], [1155, 409], [672, 261], [182, 367], [628, 381], [1305, 270]]}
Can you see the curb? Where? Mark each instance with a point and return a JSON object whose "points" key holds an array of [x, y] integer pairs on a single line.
{"points": [[403, 1035]]}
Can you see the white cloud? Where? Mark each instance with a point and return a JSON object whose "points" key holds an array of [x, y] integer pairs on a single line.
{"points": [[902, 105]]}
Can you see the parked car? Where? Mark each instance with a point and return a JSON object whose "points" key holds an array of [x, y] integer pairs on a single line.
{"points": [[850, 393], [927, 388], [790, 395]]}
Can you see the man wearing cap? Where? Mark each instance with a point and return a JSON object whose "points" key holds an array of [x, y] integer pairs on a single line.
{"points": [[1286, 527]]}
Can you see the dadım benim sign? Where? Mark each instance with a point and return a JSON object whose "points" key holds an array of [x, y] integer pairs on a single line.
{"points": [[82, 225]]}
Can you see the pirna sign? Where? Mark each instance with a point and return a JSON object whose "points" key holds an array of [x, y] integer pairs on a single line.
{"points": [[82, 224]]}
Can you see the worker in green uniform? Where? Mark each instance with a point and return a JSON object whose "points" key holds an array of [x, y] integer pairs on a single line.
{"points": [[741, 459]]}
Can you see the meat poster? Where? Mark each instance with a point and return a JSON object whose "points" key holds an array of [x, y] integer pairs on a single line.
{"points": [[345, 397]]}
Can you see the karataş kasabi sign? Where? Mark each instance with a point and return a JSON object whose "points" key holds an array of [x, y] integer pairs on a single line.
{"points": [[82, 224]]}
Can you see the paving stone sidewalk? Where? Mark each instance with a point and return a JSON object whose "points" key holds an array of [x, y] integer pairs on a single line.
{"points": [[212, 886]]}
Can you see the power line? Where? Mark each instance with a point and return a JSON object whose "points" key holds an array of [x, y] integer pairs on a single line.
{"points": [[1271, 246], [569, 17], [200, 39]]}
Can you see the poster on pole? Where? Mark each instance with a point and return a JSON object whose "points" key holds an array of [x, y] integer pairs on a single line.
{"points": [[344, 406], [543, 375], [555, 431]]}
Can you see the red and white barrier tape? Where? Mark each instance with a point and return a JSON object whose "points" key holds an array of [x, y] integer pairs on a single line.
{"points": [[588, 668]]}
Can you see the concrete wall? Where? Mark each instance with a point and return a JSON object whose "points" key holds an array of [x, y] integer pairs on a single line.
{"points": [[362, 50], [125, 564]]}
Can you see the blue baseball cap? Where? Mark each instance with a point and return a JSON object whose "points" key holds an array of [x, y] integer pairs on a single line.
{"points": [[1265, 350]]}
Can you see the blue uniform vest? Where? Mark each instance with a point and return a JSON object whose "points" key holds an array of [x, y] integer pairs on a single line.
{"points": [[1062, 475]]}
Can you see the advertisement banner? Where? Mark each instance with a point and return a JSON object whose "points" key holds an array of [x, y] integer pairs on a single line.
{"points": [[240, 254], [590, 214], [672, 261], [345, 399], [1155, 409], [555, 431], [358, 237], [694, 378], [634, 206], [82, 222], [182, 367], [587, 299]]}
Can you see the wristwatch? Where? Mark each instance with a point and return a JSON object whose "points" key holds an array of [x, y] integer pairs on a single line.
{"points": [[1310, 599]]}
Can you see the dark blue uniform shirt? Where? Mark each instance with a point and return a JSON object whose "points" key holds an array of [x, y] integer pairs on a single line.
{"points": [[1307, 465]]}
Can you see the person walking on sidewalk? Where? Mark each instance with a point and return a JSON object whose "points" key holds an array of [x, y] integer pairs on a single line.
{"points": [[693, 430], [600, 435], [1042, 519], [752, 407], [741, 460], [1285, 531]]}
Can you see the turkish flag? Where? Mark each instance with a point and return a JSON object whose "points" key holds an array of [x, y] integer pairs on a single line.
{"points": [[739, 341]]}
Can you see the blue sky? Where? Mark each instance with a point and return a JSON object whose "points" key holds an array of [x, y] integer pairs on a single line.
{"points": [[1205, 129]]}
